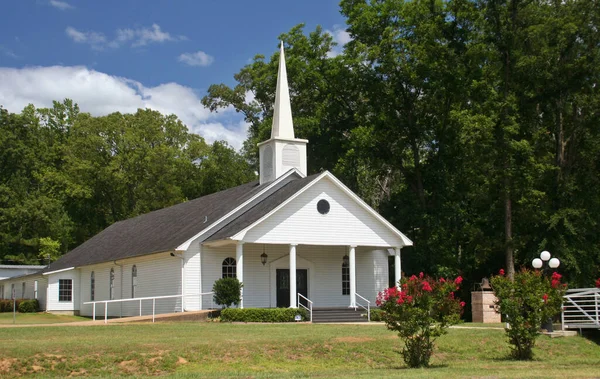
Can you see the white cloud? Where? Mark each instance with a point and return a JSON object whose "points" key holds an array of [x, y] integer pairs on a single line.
{"points": [[95, 40], [341, 37], [199, 58], [62, 5], [134, 37], [100, 94], [144, 36]]}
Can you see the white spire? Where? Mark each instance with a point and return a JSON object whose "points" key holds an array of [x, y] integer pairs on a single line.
{"points": [[283, 126]]}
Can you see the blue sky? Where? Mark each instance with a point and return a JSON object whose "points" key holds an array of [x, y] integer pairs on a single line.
{"points": [[121, 55]]}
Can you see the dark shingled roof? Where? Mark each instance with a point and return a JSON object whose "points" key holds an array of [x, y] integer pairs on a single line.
{"points": [[167, 228]]}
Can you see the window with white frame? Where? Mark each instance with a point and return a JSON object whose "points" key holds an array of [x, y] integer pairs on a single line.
{"points": [[345, 277], [133, 280], [35, 289], [229, 268], [23, 287], [1, 291], [92, 286], [65, 290], [112, 284]]}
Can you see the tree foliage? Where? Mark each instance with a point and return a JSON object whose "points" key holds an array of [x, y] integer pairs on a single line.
{"points": [[470, 125], [66, 175]]}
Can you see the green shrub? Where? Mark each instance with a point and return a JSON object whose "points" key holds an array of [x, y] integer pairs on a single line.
{"points": [[29, 306], [376, 315], [227, 291], [262, 314], [6, 306]]}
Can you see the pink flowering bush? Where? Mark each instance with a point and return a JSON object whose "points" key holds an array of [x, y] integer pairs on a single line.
{"points": [[527, 301], [598, 283], [420, 311]]}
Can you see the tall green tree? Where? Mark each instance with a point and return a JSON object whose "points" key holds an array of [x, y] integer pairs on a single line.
{"points": [[65, 175]]}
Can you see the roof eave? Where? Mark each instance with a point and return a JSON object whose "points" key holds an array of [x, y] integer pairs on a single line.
{"points": [[184, 246]]}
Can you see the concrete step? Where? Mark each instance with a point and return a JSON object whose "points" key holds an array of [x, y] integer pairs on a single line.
{"points": [[331, 315]]}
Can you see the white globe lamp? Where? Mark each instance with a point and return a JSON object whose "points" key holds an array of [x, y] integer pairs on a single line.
{"points": [[537, 263], [554, 263], [545, 255]]}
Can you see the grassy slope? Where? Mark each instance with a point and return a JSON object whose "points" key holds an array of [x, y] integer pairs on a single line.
{"points": [[38, 318], [221, 350]]}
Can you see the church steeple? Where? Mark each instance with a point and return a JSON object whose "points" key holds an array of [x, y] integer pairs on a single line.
{"points": [[283, 126], [282, 151]]}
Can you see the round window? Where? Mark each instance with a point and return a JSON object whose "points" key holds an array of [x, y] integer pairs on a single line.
{"points": [[323, 207]]}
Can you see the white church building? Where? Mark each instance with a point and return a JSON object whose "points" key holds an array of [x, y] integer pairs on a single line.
{"points": [[285, 234]]}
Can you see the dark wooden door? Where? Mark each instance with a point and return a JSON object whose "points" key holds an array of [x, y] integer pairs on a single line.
{"points": [[283, 286]]}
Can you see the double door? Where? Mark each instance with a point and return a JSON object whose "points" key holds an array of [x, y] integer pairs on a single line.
{"points": [[283, 286]]}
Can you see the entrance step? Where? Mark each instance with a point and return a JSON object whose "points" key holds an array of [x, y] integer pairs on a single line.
{"points": [[335, 315]]}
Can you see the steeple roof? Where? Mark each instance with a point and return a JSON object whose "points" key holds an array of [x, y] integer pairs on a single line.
{"points": [[283, 126]]}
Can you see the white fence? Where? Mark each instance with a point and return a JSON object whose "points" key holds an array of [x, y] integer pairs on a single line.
{"points": [[140, 299], [581, 309]]}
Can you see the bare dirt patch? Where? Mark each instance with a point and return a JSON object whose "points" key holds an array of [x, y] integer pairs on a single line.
{"points": [[6, 364], [181, 361]]}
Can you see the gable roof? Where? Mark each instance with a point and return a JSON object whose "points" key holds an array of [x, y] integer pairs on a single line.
{"points": [[257, 215], [166, 229]]}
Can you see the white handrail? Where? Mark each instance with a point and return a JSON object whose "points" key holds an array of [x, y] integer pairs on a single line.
{"points": [[581, 308], [310, 303], [153, 298], [367, 308]]}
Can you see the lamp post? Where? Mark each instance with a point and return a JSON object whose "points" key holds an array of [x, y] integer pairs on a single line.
{"points": [[538, 263]]}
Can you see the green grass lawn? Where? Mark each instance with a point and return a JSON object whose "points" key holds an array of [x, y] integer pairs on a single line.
{"points": [[290, 350], [38, 318]]}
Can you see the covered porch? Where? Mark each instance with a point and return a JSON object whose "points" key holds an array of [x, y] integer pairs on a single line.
{"points": [[273, 274]]}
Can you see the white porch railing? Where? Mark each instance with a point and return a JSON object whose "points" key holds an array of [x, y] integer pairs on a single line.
{"points": [[581, 309], [308, 301], [367, 308], [140, 299]]}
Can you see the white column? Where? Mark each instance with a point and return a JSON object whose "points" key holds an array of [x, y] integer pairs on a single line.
{"points": [[397, 267], [293, 289], [239, 268], [352, 277], [182, 282]]}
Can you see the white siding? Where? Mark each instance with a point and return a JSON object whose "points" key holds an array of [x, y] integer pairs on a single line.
{"points": [[52, 296], [157, 275], [347, 223], [193, 277], [29, 288], [324, 265]]}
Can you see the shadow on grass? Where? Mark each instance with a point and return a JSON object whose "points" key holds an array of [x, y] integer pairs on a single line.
{"points": [[404, 367], [592, 335]]}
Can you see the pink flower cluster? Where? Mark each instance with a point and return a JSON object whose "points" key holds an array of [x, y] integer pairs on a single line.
{"points": [[598, 283], [393, 293], [556, 279], [415, 287]]}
